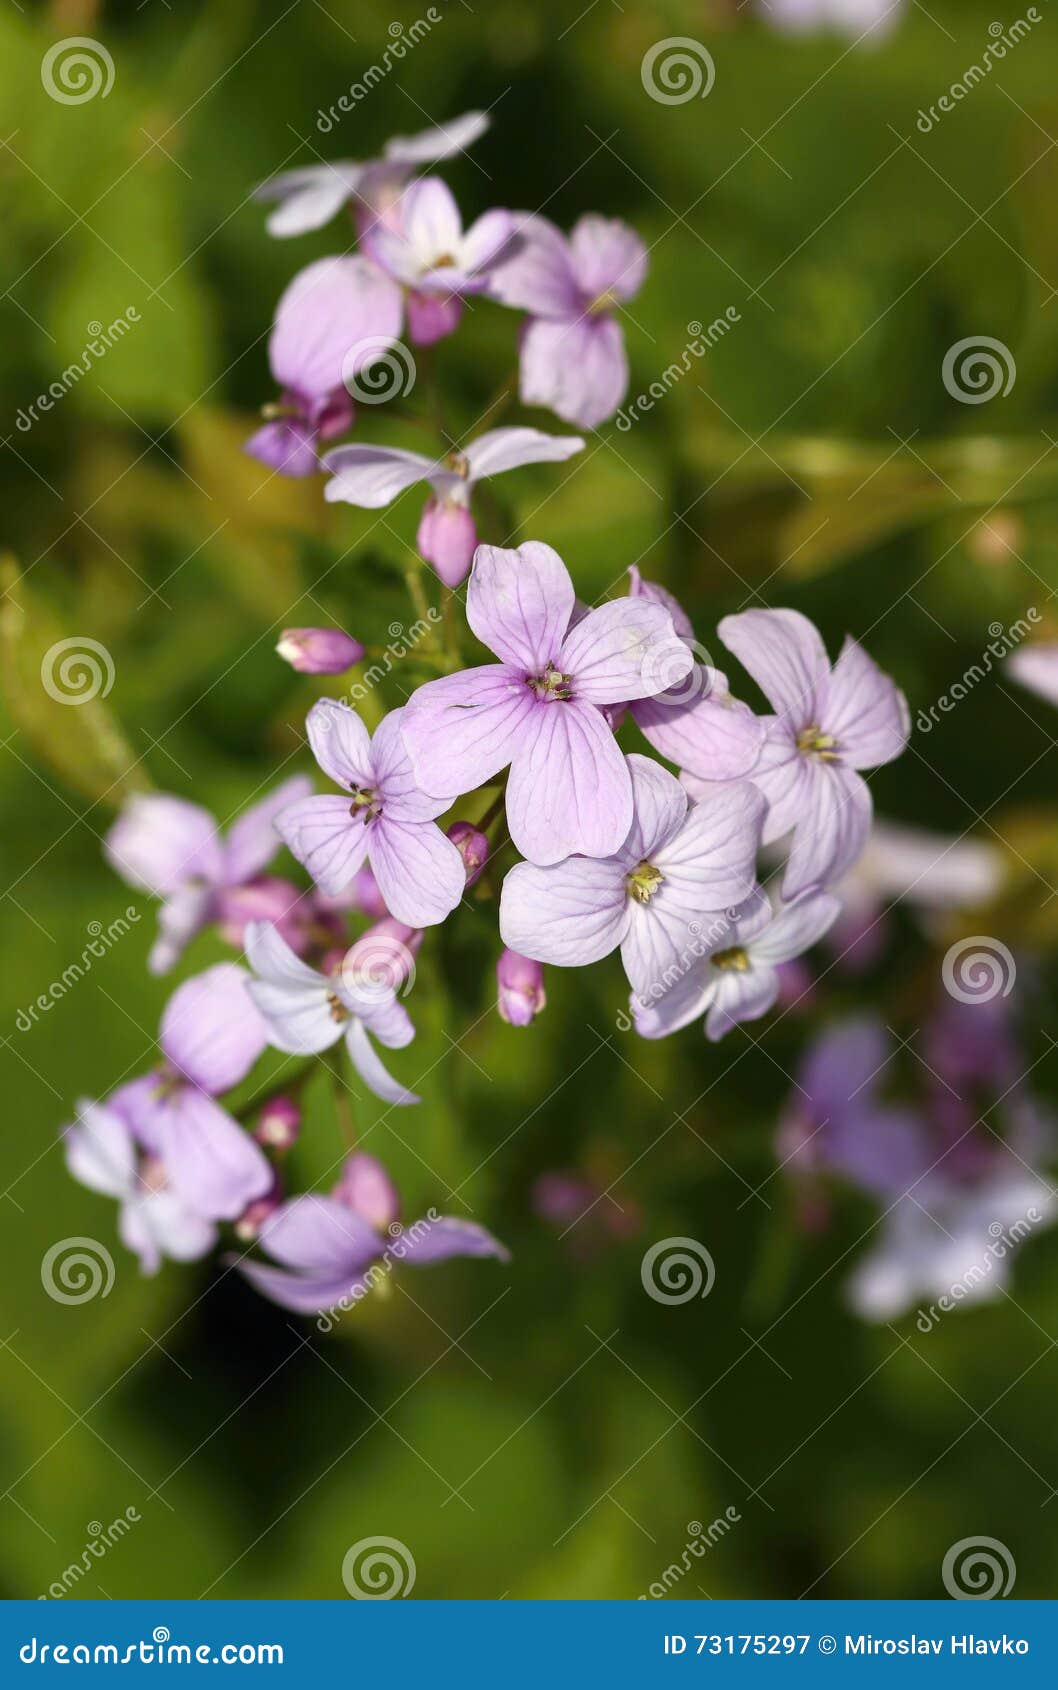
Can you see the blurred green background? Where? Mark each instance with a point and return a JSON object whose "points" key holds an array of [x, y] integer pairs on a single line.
{"points": [[542, 1429]]}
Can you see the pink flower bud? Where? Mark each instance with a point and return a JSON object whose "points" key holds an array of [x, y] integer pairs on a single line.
{"points": [[278, 1124], [292, 911], [319, 651], [472, 846], [249, 1224], [366, 1188], [521, 988], [431, 317], [447, 538]]}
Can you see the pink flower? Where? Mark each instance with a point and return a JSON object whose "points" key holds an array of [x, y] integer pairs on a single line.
{"points": [[425, 248], [373, 476], [390, 821], [306, 1011], [154, 1222], [309, 197], [211, 1035], [736, 976], [656, 898], [520, 983], [367, 1189], [332, 321], [1036, 667], [829, 723], [540, 708], [319, 651], [572, 351], [175, 851]]}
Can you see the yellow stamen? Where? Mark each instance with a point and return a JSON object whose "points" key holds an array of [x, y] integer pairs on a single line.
{"points": [[734, 958], [643, 882]]}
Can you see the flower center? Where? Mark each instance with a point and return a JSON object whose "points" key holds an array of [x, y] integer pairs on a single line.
{"points": [[458, 464], [364, 798], [604, 301], [339, 1013], [815, 743], [445, 262], [733, 958], [552, 684], [643, 882]]}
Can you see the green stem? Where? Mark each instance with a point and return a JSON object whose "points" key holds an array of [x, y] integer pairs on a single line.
{"points": [[340, 1091]]}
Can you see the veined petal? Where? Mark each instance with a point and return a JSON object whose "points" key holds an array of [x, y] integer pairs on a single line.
{"points": [[569, 788], [831, 831], [711, 735], [796, 927], [462, 730], [340, 743], [623, 650], [863, 710], [420, 874], [372, 476], [710, 864], [783, 775], [403, 799], [659, 805], [571, 914], [295, 1000], [740, 997], [323, 835], [785, 654], [519, 603], [371, 1068], [576, 366]]}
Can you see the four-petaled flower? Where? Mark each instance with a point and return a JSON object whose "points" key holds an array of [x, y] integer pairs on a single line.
{"points": [[422, 245]]}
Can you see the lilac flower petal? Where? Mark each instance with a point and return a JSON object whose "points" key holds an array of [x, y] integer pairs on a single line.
{"points": [[321, 1236], [340, 743], [712, 734], [740, 997], [832, 830], [308, 198], [883, 1151], [486, 242], [419, 872], [571, 914], [710, 863], [372, 476], [212, 1164], [158, 843], [569, 789], [796, 927], [211, 1029], [99, 1150], [371, 1068], [403, 800], [331, 320], [301, 1293], [538, 276], [519, 603], [784, 653], [669, 1006], [287, 446], [294, 999], [323, 835], [443, 140], [848, 1058], [463, 729], [863, 710], [428, 1241], [608, 258], [180, 917], [385, 1018], [1036, 667], [638, 587], [784, 776], [660, 808], [159, 1224], [623, 650], [501, 449], [434, 316], [252, 840], [578, 367]]}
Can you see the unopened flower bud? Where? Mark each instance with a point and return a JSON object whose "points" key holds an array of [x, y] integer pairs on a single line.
{"points": [[319, 651], [249, 1224], [278, 1124], [521, 988], [366, 1188], [446, 539], [472, 846]]}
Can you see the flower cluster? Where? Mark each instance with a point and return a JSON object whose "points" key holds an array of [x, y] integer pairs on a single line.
{"points": [[509, 770]]}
